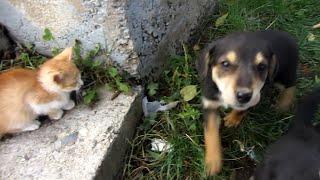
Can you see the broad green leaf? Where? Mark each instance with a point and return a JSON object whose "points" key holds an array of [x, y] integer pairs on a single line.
{"points": [[220, 21], [152, 88], [123, 86], [90, 96], [24, 57], [47, 35], [113, 72], [188, 92]]}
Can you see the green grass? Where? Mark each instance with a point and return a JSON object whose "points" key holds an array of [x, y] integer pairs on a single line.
{"points": [[182, 126]]}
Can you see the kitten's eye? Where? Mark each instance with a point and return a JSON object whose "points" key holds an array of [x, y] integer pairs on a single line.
{"points": [[225, 64], [261, 67]]}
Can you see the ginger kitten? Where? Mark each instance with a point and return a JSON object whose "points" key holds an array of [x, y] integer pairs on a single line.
{"points": [[25, 94]]}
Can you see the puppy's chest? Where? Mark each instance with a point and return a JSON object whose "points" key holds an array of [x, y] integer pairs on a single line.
{"points": [[59, 102]]}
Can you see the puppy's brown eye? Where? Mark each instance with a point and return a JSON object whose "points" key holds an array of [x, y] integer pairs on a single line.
{"points": [[261, 67], [225, 64]]}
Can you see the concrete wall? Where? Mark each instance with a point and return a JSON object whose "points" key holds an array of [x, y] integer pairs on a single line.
{"points": [[138, 33]]}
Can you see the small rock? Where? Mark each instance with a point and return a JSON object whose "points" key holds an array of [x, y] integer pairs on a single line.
{"points": [[65, 140], [70, 139]]}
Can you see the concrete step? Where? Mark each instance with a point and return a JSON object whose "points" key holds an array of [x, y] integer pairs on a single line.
{"points": [[86, 143]]}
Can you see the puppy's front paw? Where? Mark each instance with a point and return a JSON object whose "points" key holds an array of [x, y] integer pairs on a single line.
{"points": [[69, 106], [234, 118], [213, 164], [55, 114]]}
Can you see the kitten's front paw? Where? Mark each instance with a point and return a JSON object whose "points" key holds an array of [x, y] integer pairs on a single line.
{"points": [[55, 114], [32, 126], [69, 106]]}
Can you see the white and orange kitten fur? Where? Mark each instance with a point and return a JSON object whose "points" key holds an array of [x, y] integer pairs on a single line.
{"points": [[25, 94]]}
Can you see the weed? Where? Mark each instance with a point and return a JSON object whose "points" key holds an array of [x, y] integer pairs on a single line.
{"points": [[96, 73], [47, 35], [26, 57], [152, 88]]}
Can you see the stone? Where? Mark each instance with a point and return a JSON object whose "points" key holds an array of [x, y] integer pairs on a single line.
{"points": [[78, 146], [138, 35]]}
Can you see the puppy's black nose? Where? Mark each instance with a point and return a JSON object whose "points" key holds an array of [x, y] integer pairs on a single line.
{"points": [[243, 97]]}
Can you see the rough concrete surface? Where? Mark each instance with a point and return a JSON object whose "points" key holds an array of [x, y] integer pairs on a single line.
{"points": [[138, 34], [75, 146], [158, 29]]}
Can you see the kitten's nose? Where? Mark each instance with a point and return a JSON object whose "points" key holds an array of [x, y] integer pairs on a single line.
{"points": [[244, 96]]}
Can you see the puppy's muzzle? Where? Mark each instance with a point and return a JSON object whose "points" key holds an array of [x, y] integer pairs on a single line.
{"points": [[243, 96]]}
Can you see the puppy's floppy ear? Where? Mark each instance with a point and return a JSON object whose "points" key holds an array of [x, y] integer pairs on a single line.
{"points": [[204, 59], [273, 68]]}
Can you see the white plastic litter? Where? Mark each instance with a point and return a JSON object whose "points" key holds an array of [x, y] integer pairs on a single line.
{"points": [[155, 106], [249, 150], [160, 145]]}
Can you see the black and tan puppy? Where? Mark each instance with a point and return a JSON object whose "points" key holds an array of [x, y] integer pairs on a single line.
{"points": [[295, 156], [233, 71]]}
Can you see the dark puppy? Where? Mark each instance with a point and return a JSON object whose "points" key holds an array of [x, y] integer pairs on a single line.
{"points": [[233, 71], [295, 156]]}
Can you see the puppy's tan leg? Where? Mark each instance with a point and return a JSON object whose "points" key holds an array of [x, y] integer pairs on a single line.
{"points": [[213, 156], [234, 118], [286, 99]]}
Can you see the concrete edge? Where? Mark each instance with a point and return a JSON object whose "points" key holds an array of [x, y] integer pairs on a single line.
{"points": [[114, 160]]}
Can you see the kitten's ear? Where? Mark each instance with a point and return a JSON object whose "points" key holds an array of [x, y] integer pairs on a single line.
{"points": [[57, 78], [66, 55]]}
